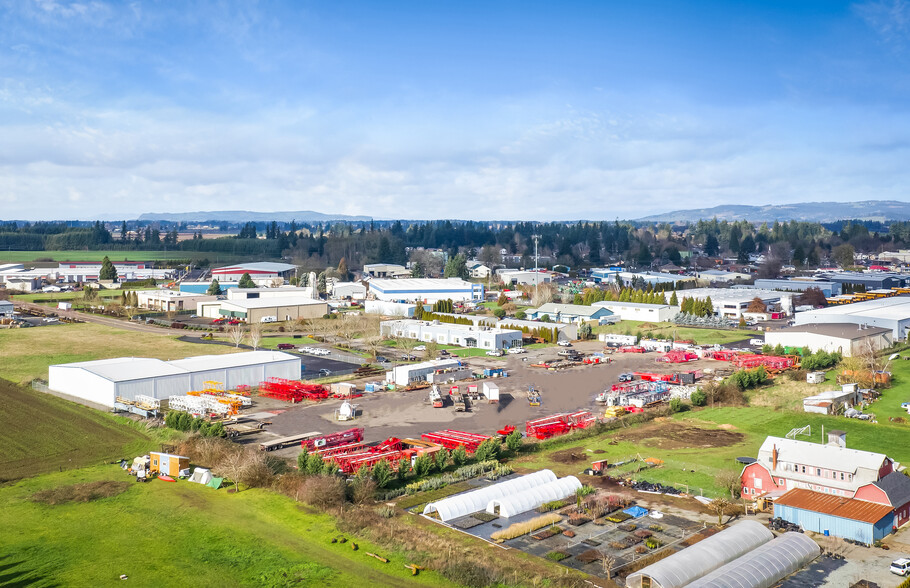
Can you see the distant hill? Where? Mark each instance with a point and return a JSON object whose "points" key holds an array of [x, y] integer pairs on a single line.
{"points": [[242, 216], [871, 210]]}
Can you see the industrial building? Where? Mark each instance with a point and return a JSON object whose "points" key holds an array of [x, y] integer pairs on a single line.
{"points": [[639, 311], [352, 290], [426, 290], [515, 277], [873, 280], [301, 292], [889, 313], [714, 275], [733, 302], [848, 339], [835, 516], [403, 309], [6, 308], [785, 464], [101, 382], [564, 331], [491, 338], [170, 300], [827, 287], [569, 313], [403, 375], [746, 555], [203, 287], [258, 310], [259, 271], [386, 270]]}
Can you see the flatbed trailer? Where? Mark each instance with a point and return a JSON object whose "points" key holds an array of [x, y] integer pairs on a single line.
{"points": [[282, 442]]}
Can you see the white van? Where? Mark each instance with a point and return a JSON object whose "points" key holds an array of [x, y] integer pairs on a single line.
{"points": [[756, 342], [901, 566], [269, 319]]}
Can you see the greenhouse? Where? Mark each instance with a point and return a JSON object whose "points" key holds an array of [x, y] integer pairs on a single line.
{"points": [[686, 566], [531, 498], [477, 500], [765, 566]]}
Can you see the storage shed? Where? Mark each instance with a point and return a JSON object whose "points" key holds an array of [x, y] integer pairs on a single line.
{"points": [[686, 566], [529, 499], [848, 518], [168, 464], [765, 566], [477, 500]]}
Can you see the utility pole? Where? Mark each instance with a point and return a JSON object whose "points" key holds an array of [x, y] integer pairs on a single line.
{"points": [[536, 266]]}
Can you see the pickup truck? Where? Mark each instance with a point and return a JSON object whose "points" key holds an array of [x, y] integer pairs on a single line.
{"points": [[285, 346]]}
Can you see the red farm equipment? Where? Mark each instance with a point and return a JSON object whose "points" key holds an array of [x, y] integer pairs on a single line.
{"points": [[723, 355], [631, 349], [678, 356], [559, 424], [330, 440], [770, 362], [351, 458], [292, 390], [451, 439]]}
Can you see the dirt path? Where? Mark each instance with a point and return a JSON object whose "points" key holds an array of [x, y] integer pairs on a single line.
{"points": [[97, 319]]}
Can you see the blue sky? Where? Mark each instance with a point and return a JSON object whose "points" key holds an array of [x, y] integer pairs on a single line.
{"points": [[483, 110]]}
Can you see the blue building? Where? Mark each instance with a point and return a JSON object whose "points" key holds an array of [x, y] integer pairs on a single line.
{"points": [[837, 516]]}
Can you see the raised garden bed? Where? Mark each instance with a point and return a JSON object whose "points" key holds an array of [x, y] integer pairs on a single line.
{"points": [[484, 516], [547, 533], [591, 542], [577, 521], [466, 523], [628, 527], [557, 555], [643, 533], [569, 533], [589, 556], [618, 517]]}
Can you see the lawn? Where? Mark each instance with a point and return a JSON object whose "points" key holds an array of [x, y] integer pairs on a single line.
{"points": [[272, 342], [678, 333], [52, 298], [698, 466], [889, 405], [788, 394], [28, 256], [25, 354], [42, 433], [174, 534]]}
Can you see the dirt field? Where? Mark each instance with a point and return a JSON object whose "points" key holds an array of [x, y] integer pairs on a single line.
{"points": [[407, 414], [670, 435]]}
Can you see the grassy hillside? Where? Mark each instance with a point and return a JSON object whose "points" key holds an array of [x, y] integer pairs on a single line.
{"points": [[700, 336], [27, 256], [175, 534], [25, 354], [42, 433]]}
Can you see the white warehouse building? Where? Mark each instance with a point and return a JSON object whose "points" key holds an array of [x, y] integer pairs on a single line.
{"points": [[889, 313], [403, 375], [639, 311], [451, 334], [101, 382], [426, 290]]}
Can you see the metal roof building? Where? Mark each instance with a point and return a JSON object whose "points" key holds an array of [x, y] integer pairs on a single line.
{"points": [[764, 566], [692, 563], [569, 313], [101, 382], [426, 290], [890, 313], [477, 500], [260, 269], [848, 339], [530, 498], [837, 516]]}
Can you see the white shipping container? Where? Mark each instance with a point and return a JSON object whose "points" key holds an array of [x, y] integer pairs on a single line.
{"points": [[491, 391]]}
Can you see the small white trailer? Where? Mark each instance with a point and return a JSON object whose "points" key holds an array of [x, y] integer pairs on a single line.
{"points": [[491, 392]]}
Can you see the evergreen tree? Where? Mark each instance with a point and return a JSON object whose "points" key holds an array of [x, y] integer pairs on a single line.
{"points": [[134, 300], [214, 288], [711, 244], [674, 300], [108, 271], [246, 281]]}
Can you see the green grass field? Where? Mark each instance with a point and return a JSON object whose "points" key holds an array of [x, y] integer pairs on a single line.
{"points": [[700, 336], [52, 298], [25, 354], [754, 423], [29, 256], [174, 534], [42, 433]]}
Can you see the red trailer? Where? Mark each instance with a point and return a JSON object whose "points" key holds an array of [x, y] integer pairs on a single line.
{"points": [[774, 362], [559, 424], [292, 390], [678, 356], [723, 355], [451, 439], [347, 437], [631, 349]]}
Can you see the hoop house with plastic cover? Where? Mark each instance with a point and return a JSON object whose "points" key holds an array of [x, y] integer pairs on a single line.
{"points": [[686, 566], [765, 566], [477, 500], [531, 498]]}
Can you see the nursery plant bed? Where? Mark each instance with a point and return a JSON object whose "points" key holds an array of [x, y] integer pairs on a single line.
{"points": [[546, 533], [589, 556], [579, 521], [591, 542], [569, 533], [484, 517], [466, 523]]}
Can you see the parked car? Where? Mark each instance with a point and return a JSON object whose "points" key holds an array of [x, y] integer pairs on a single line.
{"points": [[901, 566], [627, 377], [516, 351], [563, 343], [495, 353], [757, 342], [382, 359], [325, 372], [442, 352], [420, 348], [285, 346]]}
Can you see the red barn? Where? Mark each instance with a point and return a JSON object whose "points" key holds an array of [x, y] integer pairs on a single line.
{"points": [[893, 490]]}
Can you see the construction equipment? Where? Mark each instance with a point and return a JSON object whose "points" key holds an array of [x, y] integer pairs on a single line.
{"points": [[559, 424], [330, 440], [451, 439], [292, 390], [460, 402], [436, 398], [533, 396], [613, 412], [346, 412]]}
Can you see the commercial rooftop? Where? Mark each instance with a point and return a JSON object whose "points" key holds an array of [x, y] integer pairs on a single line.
{"points": [[124, 369], [259, 266], [420, 284], [894, 308], [270, 302], [836, 506], [837, 330], [215, 362], [832, 457]]}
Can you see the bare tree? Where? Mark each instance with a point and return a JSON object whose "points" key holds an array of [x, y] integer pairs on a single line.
{"points": [[373, 346], [607, 562], [235, 334], [720, 507], [731, 481], [431, 349], [232, 467], [255, 335]]}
